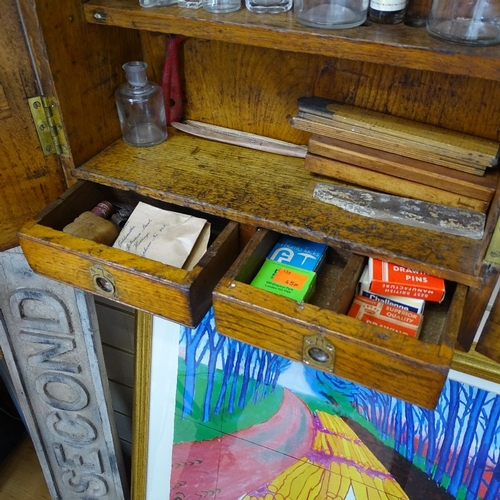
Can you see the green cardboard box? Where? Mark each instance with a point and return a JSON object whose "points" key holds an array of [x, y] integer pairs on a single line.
{"points": [[293, 282]]}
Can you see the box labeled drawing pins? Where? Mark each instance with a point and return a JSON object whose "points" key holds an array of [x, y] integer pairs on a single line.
{"points": [[390, 317], [414, 305], [393, 279], [299, 253]]}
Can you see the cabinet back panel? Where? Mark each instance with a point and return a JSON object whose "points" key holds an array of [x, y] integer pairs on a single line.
{"points": [[255, 89]]}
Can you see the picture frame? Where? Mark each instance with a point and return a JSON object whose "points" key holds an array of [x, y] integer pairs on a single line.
{"points": [[155, 373], [154, 418]]}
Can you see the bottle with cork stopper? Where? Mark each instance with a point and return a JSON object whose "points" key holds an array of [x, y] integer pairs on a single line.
{"points": [[94, 225]]}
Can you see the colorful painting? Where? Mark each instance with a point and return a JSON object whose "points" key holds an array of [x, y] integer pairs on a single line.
{"points": [[251, 425]]}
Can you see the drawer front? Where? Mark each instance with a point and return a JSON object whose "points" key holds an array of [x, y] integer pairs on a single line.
{"points": [[411, 369], [173, 293]]}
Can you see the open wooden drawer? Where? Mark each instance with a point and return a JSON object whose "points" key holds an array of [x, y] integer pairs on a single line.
{"points": [[320, 334], [142, 283]]}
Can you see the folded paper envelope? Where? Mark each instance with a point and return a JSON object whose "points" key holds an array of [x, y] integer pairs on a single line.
{"points": [[172, 238]]}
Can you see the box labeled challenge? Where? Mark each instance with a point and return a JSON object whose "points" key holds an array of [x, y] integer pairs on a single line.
{"points": [[409, 304], [390, 317], [392, 279]]}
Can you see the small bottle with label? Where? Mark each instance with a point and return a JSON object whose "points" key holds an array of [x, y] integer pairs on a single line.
{"points": [[94, 225], [141, 107], [387, 11]]}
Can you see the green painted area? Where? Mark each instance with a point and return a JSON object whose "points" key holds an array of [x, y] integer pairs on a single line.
{"points": [[192, 427]]}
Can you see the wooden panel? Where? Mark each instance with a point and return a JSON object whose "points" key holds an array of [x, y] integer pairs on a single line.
{"points": [[366, 43], [21, 475], [86, 63], [489, 341], [5, 111], [29, 180], [259, 90], [275, 192], [387, 183], [476, 306]]}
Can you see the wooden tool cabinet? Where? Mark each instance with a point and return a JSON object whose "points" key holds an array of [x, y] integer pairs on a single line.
{"points": [[246, 71]]}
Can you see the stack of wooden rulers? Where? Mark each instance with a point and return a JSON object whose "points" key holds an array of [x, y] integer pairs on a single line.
{"points": [[398, 156]]}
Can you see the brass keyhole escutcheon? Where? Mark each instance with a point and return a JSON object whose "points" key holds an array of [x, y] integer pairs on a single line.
{"points": [[103, 280], [318, 353]]}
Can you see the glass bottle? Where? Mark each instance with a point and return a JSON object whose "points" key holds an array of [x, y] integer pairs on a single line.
{"points": [[468, 22], [387, 11], [330, 14], [141, 108], [268, 6], [93, 225]]}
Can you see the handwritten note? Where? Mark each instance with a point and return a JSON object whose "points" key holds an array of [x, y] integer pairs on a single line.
{"points": [[169, 237]]}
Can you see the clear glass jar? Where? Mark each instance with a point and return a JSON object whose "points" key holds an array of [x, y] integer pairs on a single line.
{"points": [[268, 6], [331, 14], [221, 6], [468, 22]]}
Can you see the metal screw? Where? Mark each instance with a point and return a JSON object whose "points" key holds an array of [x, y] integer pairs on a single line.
{"points": [[36, 104], [495, 254], [99, 15], [42, 126]]}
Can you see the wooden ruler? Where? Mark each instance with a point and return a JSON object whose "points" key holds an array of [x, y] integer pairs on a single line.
{"points": [[397, 135], [461, 183]]}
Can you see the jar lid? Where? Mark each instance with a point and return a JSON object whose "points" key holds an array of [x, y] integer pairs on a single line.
{"points": [[103, 209]]}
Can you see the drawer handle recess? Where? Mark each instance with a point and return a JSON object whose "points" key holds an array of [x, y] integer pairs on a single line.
{"points": [[318, 353], [103, 280]]}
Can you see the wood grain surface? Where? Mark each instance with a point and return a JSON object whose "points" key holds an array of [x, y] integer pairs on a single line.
{"points": [[275, 192], [387, 183], [29, 180], [370, 42], [21, 476]]}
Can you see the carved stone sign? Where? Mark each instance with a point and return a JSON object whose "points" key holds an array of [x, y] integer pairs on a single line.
{"points": [[50, 339]]}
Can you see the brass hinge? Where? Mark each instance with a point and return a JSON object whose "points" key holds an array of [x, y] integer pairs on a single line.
{"points": [[45, 113], [493, 252]]}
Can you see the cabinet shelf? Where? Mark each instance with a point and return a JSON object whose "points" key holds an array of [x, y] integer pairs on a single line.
{"points": [[398, 45], [273, 192]]}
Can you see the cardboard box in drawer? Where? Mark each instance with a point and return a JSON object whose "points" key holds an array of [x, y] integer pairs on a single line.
{"points": [[391, 317], [392, 279], [298, 252], [297, 284], [414, 305]]}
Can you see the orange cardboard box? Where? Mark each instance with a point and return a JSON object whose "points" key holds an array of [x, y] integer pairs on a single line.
{"points": [[390, 317], [392, 279]]}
